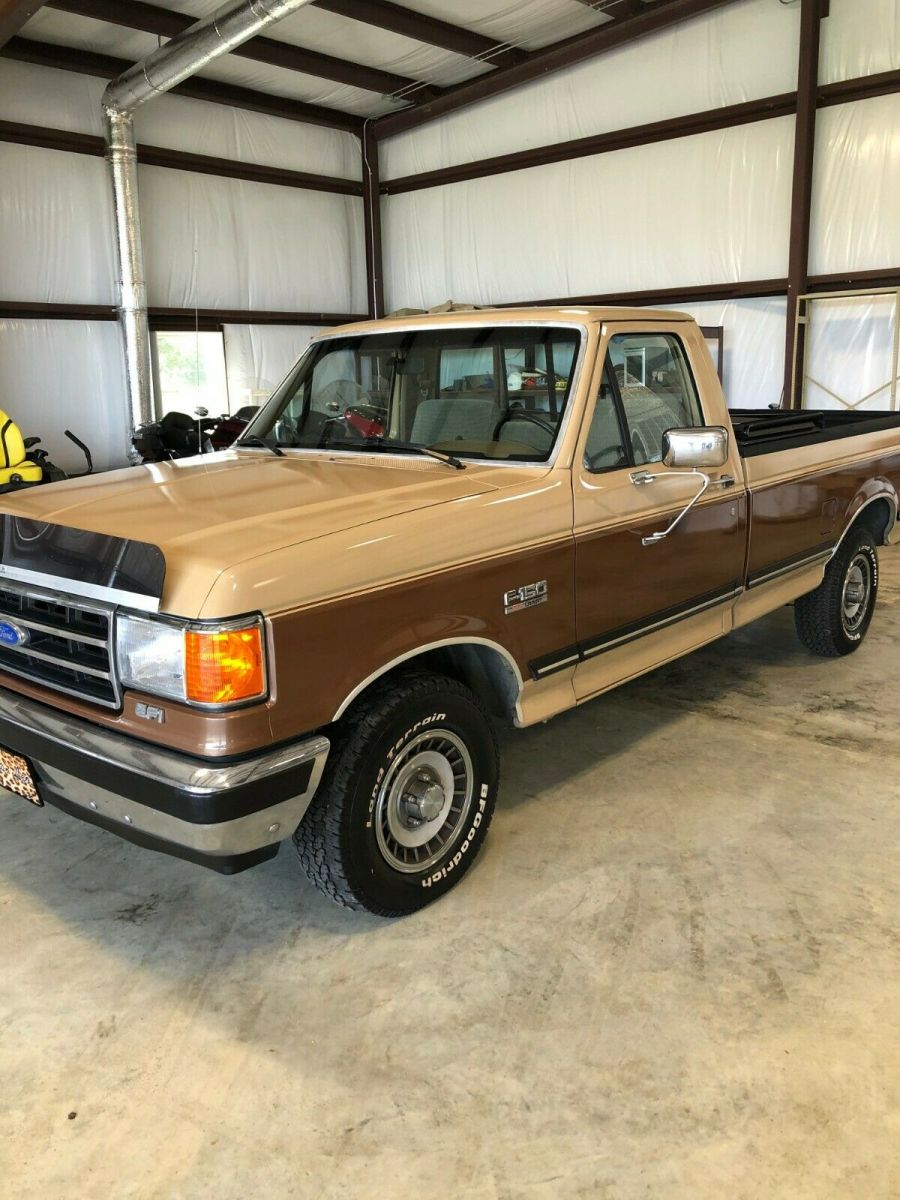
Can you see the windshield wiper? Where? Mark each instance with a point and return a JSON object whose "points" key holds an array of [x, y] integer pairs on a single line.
{"points": [[449, 460], [255, 440]]}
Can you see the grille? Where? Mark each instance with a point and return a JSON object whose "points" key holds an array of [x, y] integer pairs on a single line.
{"points": [[69, 646]]}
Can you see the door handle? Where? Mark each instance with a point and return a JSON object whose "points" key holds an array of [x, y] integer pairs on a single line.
{"points": [[726, 481], [642, 478]]}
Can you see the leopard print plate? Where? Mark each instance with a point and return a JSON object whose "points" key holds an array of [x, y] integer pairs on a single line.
{"points": [[15, 776]]}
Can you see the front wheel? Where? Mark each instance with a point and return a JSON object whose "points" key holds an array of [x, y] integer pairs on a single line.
{"points": [[406, 799], [834, 619]]}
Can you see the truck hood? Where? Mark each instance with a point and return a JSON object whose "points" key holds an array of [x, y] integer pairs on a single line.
{"points": [[215, 511]]}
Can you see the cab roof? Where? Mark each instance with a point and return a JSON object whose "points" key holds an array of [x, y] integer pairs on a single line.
{"points": [[568, 314]]}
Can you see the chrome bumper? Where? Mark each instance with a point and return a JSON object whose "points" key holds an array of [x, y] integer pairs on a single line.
{"points": [[227, 816]]}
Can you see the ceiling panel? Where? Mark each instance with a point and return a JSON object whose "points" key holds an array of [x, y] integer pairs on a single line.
{"points": [[526, 23], [314, 29], [84, 33]]}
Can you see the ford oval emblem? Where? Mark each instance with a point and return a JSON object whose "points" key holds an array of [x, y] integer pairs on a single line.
{"points": [[12, 634]]}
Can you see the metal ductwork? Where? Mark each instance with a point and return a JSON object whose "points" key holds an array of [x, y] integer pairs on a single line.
{"points": [[183, 56]]}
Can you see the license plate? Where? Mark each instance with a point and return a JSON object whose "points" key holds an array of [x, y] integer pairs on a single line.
{"points": [[16, 776]]}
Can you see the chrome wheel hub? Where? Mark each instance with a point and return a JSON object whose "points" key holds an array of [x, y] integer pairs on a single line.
{"points": [[423, 801], [855, 595]]}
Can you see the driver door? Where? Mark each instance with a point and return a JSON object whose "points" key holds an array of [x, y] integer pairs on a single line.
{"points": [[638, 605]]}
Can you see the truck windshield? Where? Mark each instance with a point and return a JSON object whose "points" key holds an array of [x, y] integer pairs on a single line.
{"points": [[495, 392]]}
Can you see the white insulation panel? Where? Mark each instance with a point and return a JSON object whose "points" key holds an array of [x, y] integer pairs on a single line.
{"points": [[259, 356], [56, 227], [57, 375], [859, 37], [208, 241], [753, 365], [856, 190], [704, 209], [228, 243], [64, 100], [850, 353], [740, 52]]}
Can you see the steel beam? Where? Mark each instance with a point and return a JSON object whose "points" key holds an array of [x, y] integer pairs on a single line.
{"points": [[180, 160], [539, 63], [801, 197], [372, 224], [150, 18], [172, 318], [599, 143], [422, 28], [104, 66], [14, 14]]}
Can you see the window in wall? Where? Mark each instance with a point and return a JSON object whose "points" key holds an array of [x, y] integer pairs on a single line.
{"points": [[189, 371]]}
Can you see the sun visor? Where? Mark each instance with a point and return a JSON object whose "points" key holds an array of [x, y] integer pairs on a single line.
{"points": [[96, 565]]}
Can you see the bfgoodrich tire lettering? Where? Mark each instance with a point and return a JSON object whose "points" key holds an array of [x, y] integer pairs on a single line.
{"points": [[406, 798], [834, 619]]}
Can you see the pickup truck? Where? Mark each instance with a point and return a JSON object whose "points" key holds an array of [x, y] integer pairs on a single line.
{"points": [[434, 522]]}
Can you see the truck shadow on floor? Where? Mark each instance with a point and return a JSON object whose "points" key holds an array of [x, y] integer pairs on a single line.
{"points": [[730, 680]]}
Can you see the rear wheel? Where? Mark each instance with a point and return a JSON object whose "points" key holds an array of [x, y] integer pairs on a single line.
{"points": [[834, 619], [406, 799]]}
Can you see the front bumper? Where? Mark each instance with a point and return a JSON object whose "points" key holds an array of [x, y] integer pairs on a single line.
{"points": [[227, 816]]}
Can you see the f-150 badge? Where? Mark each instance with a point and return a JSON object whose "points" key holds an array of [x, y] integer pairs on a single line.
{"points": [[526, 596]]}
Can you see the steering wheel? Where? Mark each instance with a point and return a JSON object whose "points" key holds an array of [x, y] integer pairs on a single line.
{"points": [[523, 414], [340, 394]]}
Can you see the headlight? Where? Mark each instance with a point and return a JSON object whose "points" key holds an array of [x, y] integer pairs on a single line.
{"points": [[203, 663]]}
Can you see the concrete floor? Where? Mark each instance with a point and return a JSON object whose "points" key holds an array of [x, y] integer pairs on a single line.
{"points": [[674, 973]]}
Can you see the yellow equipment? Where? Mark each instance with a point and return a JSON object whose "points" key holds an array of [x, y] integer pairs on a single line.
{"points": [[15, 466]]}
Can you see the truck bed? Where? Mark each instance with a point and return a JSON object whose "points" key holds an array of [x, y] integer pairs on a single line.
{"points": [[766, 431]]}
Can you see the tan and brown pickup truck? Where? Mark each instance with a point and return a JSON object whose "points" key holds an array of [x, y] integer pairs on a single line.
{"points": [[434, 521]]}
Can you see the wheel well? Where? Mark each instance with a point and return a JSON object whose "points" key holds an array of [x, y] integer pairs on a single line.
{"points": [[877, 517], [485, 671]]}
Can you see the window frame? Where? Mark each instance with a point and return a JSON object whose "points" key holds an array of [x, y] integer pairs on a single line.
{"points": [[624, 428], [163, 326]]}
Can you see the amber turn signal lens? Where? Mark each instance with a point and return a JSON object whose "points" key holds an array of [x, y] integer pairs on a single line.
{"points": [[225, 666]]}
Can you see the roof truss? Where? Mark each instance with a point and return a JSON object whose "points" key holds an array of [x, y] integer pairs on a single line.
{"points": [[165, 22], [65, 58], [555, 57], [421, 28], [511, 66], [14, 14]]}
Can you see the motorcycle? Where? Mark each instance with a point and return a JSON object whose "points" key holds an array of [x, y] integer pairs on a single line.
{"points": [[24, 464], [178, 435]]}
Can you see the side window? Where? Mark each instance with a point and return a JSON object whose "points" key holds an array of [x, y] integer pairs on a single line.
{"points": [[605, 445], [656, 389]]}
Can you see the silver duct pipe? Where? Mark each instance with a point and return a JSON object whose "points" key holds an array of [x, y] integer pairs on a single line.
{"points": [[184, 55]]}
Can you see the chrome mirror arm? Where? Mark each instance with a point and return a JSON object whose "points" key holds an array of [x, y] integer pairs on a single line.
{"points": [[653, 538]]}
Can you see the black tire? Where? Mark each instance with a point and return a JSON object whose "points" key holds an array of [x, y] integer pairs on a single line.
{"points": [[834, 619], [348, 839]]}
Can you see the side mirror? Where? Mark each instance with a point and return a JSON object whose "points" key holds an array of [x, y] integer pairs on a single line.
{"points": [[706, 446]]}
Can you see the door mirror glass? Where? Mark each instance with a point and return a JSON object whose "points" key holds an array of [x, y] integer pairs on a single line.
{"points": [[704, 447]]}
